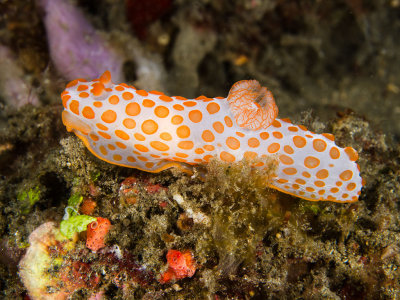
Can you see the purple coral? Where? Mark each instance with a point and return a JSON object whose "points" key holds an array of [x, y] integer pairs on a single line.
{"points": [[76, 49]]}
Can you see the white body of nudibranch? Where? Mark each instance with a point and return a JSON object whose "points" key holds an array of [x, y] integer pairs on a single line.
{"points": [[152, 132]]}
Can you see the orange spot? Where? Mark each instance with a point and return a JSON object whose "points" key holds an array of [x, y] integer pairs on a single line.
{"points": [[344, 196], [129, 123], [105, 78], [159, 146], [299, 141], [148, 103], [180, 154], [176, 120], [103, 150], [165, 98], [189, 103], [131, 159], [195, 116], [232, 143], [293, 129], [213, 108], [286, 159], [306, 174], [228, 121], [295, 186], [199, 151], [319, 145], [288, 149], [274, 147], [113, 99], [94, 137], [165, 136], [65, 99], [310, 189], [109, 116], [207, 157], [82, 87], [88, 112], [239, 134], [104, 135], [264, 135], [97, 104], [277, 134], [178, 107], [183, 131], [120, 145], [119, 88], [117, 157], [334, 153], [139, 137], [156, 93], [74, 107], [161, 111], [289, 171], [351, 186], [209, 147], [321, 192], [149, 126], [83, 95], [132, 109], [311, 162], [281, 180], [322, 174], [111, 147], [180, 98], [334, 190], [142, 93], [187, 145], [319, 183], [72, 83], [207, 136], [286, 120], [97, 88], [351, 153], [218, 127], [346, 175], [300, 181], [149, 165], [253, 142], [141, 148], [276, 123], [122, 134], [225, 156], [329, 136], [127, 95], [101, 126], [142, 158], [339, 183], [303, 127], [250, 155]]}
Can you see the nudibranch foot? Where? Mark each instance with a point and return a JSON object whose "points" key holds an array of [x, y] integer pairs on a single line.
{"points": [[151, 131]]}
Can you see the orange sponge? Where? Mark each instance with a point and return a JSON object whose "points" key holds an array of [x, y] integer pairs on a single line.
{"points": [[96, 233]]}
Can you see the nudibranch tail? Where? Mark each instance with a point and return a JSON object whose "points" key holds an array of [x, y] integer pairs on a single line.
{"points": [[151, 131]]}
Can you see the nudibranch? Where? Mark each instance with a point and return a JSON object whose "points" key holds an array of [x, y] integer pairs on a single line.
{"points": [[151, 131]]}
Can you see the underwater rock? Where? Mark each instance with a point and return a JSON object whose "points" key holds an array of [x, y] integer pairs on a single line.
{"points": [[14, 88]]}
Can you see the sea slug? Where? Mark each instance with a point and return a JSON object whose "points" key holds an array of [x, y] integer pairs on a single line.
{"points": [[151, 131]]}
